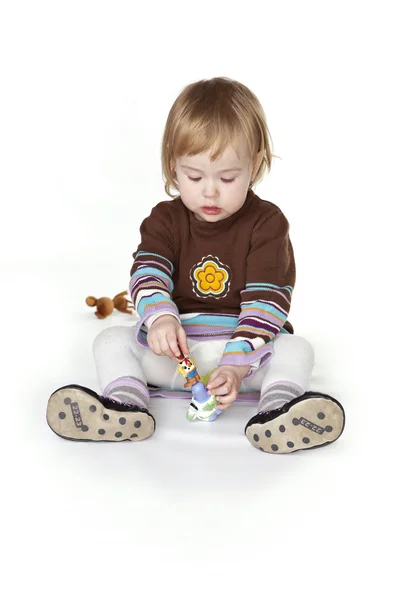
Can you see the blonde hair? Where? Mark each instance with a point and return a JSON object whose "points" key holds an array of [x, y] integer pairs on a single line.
{"points": [[210, 115]]}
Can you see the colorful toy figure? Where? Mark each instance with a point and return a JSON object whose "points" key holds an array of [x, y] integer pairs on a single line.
{"points": [[202, 406], [188, 369]]}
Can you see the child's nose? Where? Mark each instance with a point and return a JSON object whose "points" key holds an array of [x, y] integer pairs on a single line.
{"points": [[209, 189]]}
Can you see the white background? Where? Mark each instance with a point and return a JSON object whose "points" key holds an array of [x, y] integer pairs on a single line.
{"points": [[85, 91]]}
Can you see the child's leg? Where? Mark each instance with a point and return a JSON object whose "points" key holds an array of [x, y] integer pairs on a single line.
{"points": [[124, 368], [289, 417], [287, 375], [121, 412], [118, 365]]}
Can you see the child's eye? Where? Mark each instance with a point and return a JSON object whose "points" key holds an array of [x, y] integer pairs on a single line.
{"points": [[196, 179]]}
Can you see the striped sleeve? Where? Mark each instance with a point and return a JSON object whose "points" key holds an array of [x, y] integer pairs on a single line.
{"points": [[266, 299], [151, 283]]}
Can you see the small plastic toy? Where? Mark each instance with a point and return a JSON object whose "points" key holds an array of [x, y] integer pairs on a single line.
{"points": [[203, 406]]}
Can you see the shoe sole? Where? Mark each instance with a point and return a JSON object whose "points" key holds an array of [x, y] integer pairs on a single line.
{"points": [[74, 414], [312, 422]]}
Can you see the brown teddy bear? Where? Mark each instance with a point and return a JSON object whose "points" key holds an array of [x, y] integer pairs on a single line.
{"points": [[105, 306]]}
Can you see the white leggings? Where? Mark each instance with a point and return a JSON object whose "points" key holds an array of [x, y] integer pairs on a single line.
{"points": [[117, 355]]}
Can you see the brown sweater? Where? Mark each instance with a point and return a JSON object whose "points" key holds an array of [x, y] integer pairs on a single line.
{"points": [[231, 279]]}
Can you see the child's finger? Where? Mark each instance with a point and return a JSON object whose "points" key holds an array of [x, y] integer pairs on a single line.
{"points": [[224, 406], [183, 341], [216, 381], [217, 388], [175, 352], [226, 398], [156, 347], [167, 351], [219, 381], [173, 344], [165, 346]]}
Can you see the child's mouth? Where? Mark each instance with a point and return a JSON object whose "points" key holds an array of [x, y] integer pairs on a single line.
{"points": [[211, 210]]}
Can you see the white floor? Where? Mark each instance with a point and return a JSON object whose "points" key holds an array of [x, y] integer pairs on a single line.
{"points": [[196, 511], [195, 507]]}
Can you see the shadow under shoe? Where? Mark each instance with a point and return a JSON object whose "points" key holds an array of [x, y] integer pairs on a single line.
{"points": [[309, 421], [77, 413]]}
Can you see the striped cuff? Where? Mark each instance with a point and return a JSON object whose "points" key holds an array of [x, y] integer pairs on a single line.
{"points": [[150, 320]]}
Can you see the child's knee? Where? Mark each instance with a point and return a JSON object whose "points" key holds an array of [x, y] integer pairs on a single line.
{"points": [[297, 345], [304, 348], [110, 336]]}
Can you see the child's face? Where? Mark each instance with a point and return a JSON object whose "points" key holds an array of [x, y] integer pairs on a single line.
{"points": [[222, 184]]}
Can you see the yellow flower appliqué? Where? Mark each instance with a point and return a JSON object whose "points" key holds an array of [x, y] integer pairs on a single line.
{"points": [[211, 277]]}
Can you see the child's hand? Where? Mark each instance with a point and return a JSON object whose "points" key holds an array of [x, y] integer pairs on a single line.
{"points": [[164, 336], [226, 380]]}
